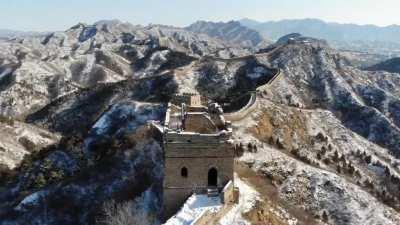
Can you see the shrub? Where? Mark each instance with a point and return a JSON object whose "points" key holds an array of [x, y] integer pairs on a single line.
{"points": [[321, 137], [125, 214], [325, 217], [271, 140], [368, 159], [323, 150], [339, 169], [279, 144], [7, 120], [255, 149], [368, 183], [335, 156], [40, 181], [249, 147], [295, 151], [351, 168], [327, 161]]}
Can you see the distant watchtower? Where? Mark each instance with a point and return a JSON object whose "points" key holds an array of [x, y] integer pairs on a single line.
{"points": [[199, 154]]}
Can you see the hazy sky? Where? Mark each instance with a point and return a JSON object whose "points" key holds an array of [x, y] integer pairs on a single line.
{"points": [[62, 14]]}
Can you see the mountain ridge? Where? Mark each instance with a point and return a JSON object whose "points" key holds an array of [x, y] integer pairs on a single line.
{"points": [[320, 145]]}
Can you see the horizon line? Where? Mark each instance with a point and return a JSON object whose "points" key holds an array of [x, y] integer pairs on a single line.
{"points": [[214, 21]]}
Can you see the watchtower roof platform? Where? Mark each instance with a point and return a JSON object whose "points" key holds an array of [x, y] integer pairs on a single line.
{"points": [[192, 118]]}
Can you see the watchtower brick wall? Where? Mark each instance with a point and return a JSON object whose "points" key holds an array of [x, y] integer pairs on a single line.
{"points": [[195, 158]]}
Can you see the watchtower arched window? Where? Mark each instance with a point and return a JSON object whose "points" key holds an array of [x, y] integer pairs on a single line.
{"points": [[213, 177], [184, 172]]}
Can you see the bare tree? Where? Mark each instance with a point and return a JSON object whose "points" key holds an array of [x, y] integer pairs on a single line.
{"points": [[126, 213]]}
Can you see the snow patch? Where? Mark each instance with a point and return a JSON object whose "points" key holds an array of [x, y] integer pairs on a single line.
{"points": [[194, 207], [247, 200], [30, 200], [257, 73], [139, 113]]}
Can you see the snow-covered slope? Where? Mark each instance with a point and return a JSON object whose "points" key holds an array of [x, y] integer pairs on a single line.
{"points": [[194, 208], [247, 200], [19, 140]]}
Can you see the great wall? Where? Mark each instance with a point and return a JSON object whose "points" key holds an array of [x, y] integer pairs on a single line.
{"points": [[253, 101], [197, 139]]}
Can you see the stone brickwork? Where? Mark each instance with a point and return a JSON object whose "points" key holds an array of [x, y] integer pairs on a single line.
{"points": [[200, 122], [189, 99], [198, 155], [230, 194], [253, 102], [197, 172]]}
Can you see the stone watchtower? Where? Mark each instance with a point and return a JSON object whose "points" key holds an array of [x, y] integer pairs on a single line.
{"points": [[199, 154]]}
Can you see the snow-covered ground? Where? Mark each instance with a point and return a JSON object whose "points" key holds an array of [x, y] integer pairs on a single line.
{"points": [[197, 205], [247, 200], [31, 199], [194, 207]]}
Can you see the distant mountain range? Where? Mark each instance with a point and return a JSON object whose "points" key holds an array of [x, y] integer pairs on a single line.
{"points": [[328, 31], [384, 42], [231, 31], [6, 33]]}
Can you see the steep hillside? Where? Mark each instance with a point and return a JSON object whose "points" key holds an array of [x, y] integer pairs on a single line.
{"points": [[327, 132], [19, 140]]}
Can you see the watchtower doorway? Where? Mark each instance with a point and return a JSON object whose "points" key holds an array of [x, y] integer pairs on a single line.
{"points": [[212, 177]]}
